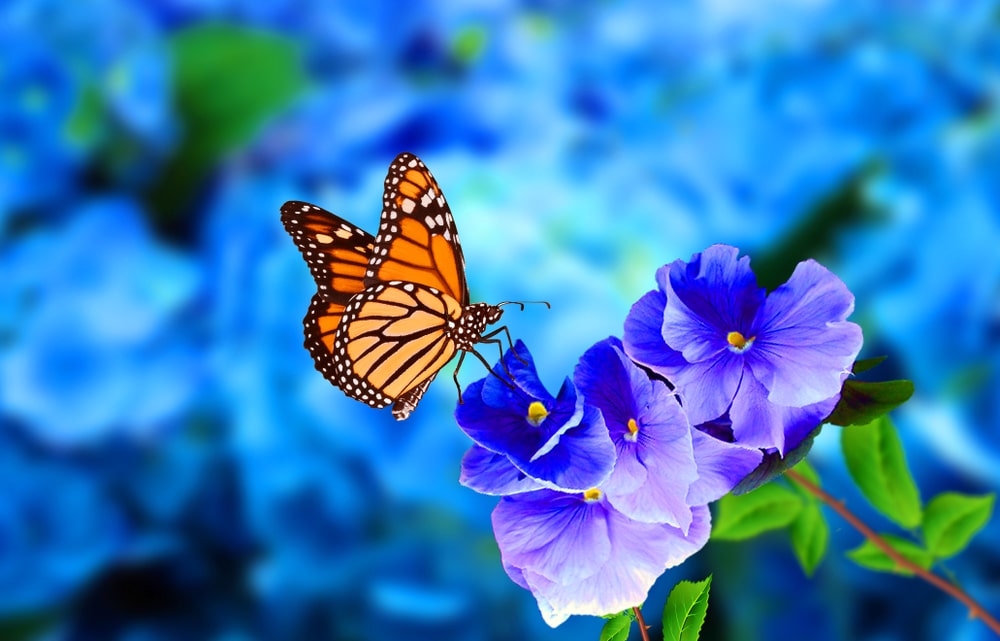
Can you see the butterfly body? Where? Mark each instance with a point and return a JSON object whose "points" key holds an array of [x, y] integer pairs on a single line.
{"points": [[392, 310]]}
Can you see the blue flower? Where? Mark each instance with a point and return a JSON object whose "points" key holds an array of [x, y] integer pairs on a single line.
{"points": [[37, 162], [94, 346], [773, 363], [58, 529], [559, 442]]}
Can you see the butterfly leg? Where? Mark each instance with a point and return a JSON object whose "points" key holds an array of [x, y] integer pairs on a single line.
{"points": [[509, 383], [458, 366], [503, 328]]}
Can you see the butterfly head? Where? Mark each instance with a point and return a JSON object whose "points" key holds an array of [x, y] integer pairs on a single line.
{"points": [[483, 314]]}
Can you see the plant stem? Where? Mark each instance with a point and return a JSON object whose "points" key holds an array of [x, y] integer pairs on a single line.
{"points": [[643, 628], [975, 610]]}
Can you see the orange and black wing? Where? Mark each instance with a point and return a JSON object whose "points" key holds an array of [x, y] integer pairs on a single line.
{"points": [[336, 251], [417, 241], [321, 323], [393, 340]]}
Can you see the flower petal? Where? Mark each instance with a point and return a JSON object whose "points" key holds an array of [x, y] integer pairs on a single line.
{"points": [[640, 553], [757, 422], [581, 457], [805, 348], [664, 448], [568, 448], [707, 298], [496, 391], [557, 535], [656, 463], [721, 466], [490, 473], [643, 337], [707, 388], [612, 383]]}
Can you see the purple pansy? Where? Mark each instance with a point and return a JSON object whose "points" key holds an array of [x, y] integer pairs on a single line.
{"points": [[774, 363], [600, 550], [579, 555], [559, 442]]}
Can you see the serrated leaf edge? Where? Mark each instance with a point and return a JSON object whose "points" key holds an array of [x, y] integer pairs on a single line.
{"points": [[704, 587]]}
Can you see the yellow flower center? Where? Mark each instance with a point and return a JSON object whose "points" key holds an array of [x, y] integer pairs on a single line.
{"points": [[537, 413], [738, 342], [632, 426], [591, 495]]}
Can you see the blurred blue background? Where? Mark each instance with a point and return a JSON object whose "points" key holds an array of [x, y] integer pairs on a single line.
{"points": [[174, 468]]}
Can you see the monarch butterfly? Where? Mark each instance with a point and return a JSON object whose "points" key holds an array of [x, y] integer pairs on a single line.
{"points": [[390, 311]]}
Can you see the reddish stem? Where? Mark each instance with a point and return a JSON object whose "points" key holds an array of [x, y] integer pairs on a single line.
{"points": [[643, 628], [975, 610]]}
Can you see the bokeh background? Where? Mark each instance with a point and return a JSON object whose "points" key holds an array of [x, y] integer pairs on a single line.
{"points": [[172, 466]]}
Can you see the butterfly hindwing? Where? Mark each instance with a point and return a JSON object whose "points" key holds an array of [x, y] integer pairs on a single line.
{"points": [[417, 241], [394, 337], [336, 251]]}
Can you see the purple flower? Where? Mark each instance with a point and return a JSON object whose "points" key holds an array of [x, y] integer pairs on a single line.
{"points": [[600, 550], [579, 555], [775, 363], [558, 442]]}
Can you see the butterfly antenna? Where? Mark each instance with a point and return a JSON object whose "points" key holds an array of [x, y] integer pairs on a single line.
{"points": [[504, 328], [523, 303]]}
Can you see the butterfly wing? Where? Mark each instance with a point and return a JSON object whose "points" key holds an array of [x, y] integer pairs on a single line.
{"points": [[336, 251], [417, 241], [393, 340]]}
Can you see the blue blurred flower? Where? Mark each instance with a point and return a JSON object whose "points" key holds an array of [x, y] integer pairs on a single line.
{"points": [[560, 442], [97, 347], [57, 527], [115, 49], [774, 363], [37, 157]]}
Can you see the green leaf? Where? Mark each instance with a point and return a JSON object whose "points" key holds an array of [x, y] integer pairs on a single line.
{"points": [[866, 364], [745, 516], [862, 402], [875, 459], [810, 535], [685, 610], [469, 43], [952, 519], [873, 558], [616, 628], [228, 81], [27, 627]]}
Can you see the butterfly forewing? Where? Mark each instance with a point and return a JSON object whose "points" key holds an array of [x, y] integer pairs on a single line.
{"points": [[321, 323], [336, 251], [417, 241]]}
